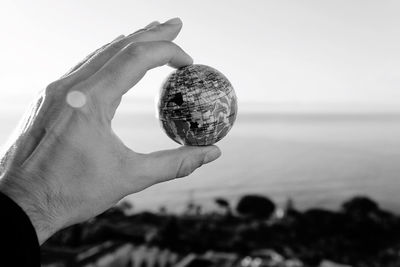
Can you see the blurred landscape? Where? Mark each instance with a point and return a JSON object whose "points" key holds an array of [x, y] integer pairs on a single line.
{"points": [[317, 159], [253, 233], [325, 187]]}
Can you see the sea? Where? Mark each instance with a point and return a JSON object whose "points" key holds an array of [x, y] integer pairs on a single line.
{"points": [[314, 159]]}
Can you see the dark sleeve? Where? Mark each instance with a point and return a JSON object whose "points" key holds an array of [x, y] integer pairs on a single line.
{"points": [[19, 245]]}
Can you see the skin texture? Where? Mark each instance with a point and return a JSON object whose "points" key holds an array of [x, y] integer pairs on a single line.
{"points": [[64, 164]]}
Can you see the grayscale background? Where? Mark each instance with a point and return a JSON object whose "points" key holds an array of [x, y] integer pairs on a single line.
{"points": [[317, 84]]}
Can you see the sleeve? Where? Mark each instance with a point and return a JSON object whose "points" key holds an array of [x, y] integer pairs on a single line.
{"points": [[19, 245]]}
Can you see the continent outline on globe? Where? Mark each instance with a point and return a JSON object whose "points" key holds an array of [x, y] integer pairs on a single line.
{"points": [[197, 105]]}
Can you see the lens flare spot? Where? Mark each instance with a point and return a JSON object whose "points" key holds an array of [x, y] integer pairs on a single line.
{"points": [[76, 99]]}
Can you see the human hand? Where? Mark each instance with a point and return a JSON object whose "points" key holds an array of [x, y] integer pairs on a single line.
{"points": [[65, 164]]}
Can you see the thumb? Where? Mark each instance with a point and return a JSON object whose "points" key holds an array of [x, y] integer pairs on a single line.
{"points": [[175, 163]]}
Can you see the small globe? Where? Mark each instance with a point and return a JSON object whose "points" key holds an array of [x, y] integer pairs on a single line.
{"points": [[197, 105]]}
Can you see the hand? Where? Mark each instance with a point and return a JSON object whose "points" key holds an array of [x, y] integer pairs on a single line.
{"points": [[66, 165]]}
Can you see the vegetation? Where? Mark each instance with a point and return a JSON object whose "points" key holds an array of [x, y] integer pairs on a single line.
{"points": [[359, 234], [255, 207]]}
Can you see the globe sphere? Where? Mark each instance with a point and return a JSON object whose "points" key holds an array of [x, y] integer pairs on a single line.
{"points": [[197, 105]]}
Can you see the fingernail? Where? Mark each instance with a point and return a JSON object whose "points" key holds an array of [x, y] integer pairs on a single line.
{"points": [[173, 21], [212, 155]]}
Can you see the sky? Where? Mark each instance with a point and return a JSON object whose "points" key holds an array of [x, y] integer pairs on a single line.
{"points": [[285, 55]]}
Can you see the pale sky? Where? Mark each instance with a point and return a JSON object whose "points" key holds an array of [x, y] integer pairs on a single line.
{"points": [[278, 53], [280, 56]]}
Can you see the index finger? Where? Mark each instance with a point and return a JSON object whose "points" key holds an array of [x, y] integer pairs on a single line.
{"points": [[152, 32], [120, 37], [127, 67]]}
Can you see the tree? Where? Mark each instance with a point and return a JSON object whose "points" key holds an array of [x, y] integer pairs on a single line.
{"points": [[125, 206], [224, 204], [255, 206], [360, 205]]}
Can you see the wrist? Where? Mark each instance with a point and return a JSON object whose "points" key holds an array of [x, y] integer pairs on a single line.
{"points": [[32, 205]]}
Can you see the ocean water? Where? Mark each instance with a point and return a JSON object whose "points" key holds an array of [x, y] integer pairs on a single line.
{"points": [[318, 160]]}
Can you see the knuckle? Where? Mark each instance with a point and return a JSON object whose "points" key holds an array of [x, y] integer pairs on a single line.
{"points": [[186, 167], [185, 171], [54, 90], [54, 87], [117, 46], [168, 46]]}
